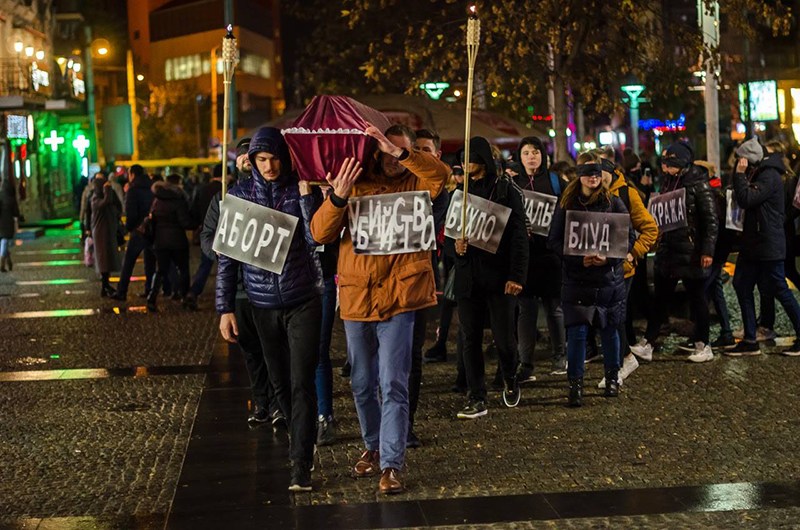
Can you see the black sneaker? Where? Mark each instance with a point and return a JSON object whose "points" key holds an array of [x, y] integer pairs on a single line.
{"points": [[278, 419], [301, 477], [511, 393], [743, 349], [475, 409], [345, 370], [497, 382], [190, 302], [412, 442], [326, 431], [525, 373], [687, 346], [793, 350], [436, 354], [259, 416], [724, 342]]}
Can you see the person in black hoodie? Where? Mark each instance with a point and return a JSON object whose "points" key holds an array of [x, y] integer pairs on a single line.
{"points": [[759, 192], [544, 268], [684, 254], [484, 280], [593, 288], [137, 207], [170, 218]]}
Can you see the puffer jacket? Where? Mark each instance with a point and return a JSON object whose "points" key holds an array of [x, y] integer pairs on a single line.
{"points": [[763, 238], [589, 294], [170, 217], [544, 266], [138, 201], [641, 220], [679, 251], [376, 288], [301, 279]]}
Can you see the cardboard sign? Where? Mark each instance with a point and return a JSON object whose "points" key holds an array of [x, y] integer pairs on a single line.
{"points": [[254, 234], [392, 223], [539, 208], [734, 216], [669, 210], [596, 233], [486, 221]]}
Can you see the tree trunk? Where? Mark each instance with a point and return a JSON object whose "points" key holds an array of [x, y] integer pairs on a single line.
{"points": [[560, 120]]}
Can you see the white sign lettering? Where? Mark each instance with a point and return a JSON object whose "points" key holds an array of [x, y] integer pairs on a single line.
{"points": [[539, 208], [669, 210], [392, 223], [596, 234], [486, 221]]}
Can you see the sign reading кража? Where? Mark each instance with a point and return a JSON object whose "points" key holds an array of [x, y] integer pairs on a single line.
{"points": [[539, 208], [596, 234], [486, 221], [254, 234], [669, 210], [392, 223]]}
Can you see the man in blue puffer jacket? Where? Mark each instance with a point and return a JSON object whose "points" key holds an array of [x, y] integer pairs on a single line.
{"points": [[286, 307]]}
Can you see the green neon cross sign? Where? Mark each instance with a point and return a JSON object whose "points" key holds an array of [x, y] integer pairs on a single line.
{"points": [[81, 143], [434, 90], [54, 140]]}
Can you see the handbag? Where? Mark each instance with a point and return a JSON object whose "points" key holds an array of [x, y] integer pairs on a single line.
{"points": [[450, 285], [88, 252]]}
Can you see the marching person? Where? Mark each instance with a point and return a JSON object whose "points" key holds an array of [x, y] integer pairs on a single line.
{"points": [[593, 288], [758, 188], [286, 307], [380, 296], [491, 281], [684, 254]]}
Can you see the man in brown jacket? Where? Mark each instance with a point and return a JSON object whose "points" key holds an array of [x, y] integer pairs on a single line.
{"points": [[379, 296]]}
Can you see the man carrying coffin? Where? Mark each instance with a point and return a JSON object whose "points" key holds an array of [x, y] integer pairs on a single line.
{"points": [[379, 295], [684, 254], [286, 307], [491, 281]]}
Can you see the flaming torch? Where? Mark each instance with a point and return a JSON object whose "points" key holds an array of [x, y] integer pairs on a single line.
{"points": [[473, 41], [230, 58]]}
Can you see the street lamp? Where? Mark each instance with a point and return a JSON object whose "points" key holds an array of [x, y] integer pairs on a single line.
{"points": [[29, 51], [40, 55], [634, 89], [18, 46]]}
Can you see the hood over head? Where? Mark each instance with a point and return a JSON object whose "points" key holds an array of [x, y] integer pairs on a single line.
{"points": [[166, 191], [481, 152], [679, 155], [270, 140], [751, 150], [539, 145]]}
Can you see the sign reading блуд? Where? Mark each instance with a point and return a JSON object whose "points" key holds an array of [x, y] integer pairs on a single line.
{"points": [[539, 208], [669, 210], [391, 223], [596, 234], [254, 234], [486, 221]]}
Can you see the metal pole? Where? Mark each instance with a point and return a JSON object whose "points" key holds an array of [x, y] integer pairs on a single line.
{"points": [[473, 42], [635, 124], [230, 57], [709, 25], [89, 88], [132, 103], [214, 92]]}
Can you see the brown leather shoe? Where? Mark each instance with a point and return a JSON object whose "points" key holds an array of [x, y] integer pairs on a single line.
{"points": [[368, 464], [390, 481]]}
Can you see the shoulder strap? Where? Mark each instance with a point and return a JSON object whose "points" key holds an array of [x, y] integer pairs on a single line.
{"points": [[555, 183], [624, 194]]}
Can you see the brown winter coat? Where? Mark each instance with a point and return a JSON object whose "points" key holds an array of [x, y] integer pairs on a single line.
{"points": [[106, 211], [376, 288]]}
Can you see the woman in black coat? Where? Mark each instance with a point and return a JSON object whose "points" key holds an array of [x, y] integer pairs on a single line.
{"points": [[105, 222], [592, 289], [170, 219], [9, 212]]}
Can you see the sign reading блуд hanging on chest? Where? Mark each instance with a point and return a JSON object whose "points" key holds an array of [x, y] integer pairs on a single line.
{"points": [[392, 223], [539, 208], [254, 234], [669, 210], [596, 234], [486, 221]]}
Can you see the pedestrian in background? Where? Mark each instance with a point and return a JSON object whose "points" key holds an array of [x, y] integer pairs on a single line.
{"points": [[106, 210], [9, 219], [138, 201]]}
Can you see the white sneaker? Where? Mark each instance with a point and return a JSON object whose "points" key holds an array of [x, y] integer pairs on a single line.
{"points": [[643, 350], [702, 353], [629, 365], [602, 383]]}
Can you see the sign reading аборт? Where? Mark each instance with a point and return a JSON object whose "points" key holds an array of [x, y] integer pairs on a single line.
{"points": [[392, 223], [486, 221], [254, 234], [669, 210], [596, 234]]}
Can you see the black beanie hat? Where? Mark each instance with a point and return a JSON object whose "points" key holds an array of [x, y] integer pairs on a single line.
{"points": [[242, 147], [679, 155]]}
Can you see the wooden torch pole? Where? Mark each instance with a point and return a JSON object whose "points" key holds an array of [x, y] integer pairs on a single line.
{"points": [[473, 41]]}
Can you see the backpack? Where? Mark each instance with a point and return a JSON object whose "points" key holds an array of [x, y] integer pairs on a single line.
{"points": [[555, 183]]}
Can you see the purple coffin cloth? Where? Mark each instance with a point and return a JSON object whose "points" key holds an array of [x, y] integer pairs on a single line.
{"points": [[330, 130]]}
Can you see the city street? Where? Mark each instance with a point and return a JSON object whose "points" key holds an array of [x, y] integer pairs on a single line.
{"points": [[111, 417]]}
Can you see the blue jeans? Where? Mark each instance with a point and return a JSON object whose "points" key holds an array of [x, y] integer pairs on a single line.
{"points": [[201, 276], [380, 354], [576, 349], [5, 244], [714, 291], [324, 379], [771, 279], [137, 245]]}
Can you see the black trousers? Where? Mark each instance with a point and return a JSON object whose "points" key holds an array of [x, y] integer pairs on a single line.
{"points": [[250, 347], [471, 314], [290, 341], [415, 375], [664, 289], [165, 259]]}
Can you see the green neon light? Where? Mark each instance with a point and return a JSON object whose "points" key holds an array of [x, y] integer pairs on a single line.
{"points": [[434, 90]]}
